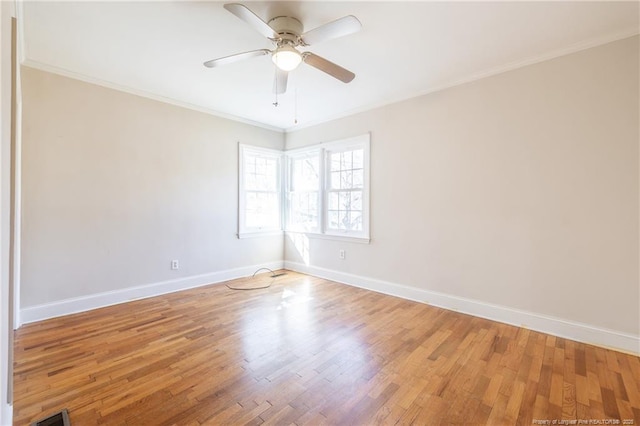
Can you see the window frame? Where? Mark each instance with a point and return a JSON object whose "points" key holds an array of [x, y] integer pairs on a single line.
{"points": [[243, 230]]}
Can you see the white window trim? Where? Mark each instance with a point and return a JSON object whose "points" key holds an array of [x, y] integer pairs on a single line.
{"points": [[244, 232], [333, 237]]}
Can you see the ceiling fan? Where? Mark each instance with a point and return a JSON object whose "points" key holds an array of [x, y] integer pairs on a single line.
{"points": [[287, 34]]}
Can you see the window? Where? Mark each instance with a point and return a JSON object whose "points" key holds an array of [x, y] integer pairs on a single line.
{"points": [[259, 195], [345, 189], [328, 189], [303, 191]]}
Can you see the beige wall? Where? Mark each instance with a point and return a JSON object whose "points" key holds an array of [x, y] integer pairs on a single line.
{"points": [[115, 186], [519, 190]]}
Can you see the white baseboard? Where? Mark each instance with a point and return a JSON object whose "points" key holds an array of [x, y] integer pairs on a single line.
{"points": [[546, 324], [6, 414], [86, 303]]}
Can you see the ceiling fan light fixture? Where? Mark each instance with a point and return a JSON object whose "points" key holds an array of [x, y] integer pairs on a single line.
{"points": [[286, 58]]}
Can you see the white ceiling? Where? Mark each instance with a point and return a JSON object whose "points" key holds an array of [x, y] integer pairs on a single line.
{"points": [[403, 50]]}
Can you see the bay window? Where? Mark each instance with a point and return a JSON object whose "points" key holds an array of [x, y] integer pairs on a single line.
{"points": [[325, 187]]}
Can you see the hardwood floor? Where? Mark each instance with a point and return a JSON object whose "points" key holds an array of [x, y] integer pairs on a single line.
{"points": [[309, 351]]}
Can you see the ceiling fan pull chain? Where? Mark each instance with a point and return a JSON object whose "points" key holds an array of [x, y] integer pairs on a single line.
{"points": [[295, 107], [275, 104]]}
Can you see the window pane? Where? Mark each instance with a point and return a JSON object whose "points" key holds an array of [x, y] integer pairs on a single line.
{"points": [[273, 183], [261, 182], [313, 202], [356, 200], [305, 175], [250, 181], [346, 160], [269, 209], [343, 219], [345, 201], [358, 159], [346, 180], [334, 201], [251, 213], [250, 200], [333, 220], [358, 178], [260, 173], [355, 221], [249, 171], [335, 180], [261, 210], [261, 166], [335, 161], [304, 210]]}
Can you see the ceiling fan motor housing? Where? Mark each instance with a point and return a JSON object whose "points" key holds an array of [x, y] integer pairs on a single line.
{"points": [[288, 28]]}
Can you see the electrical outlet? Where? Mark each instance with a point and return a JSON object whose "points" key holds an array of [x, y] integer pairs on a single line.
{"points": [[175, 264], [342, 254]]}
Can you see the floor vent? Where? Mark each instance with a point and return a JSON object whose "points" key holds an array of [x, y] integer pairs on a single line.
{"points": [[60, 418]]}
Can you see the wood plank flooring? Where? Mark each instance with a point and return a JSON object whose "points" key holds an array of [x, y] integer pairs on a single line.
{"points": [[310, 351]]}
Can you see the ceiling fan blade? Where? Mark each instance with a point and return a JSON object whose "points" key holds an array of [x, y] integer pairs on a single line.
{"points": [[338, 28], [235, 58], [280, 81], [244, 13], [329, 67]]}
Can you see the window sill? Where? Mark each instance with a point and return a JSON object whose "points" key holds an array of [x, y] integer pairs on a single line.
{"points": [[242, 235], [334, 237]]}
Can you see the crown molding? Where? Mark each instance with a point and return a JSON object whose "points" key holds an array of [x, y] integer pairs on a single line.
{"points": [[142, 93], [574, 48]]}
